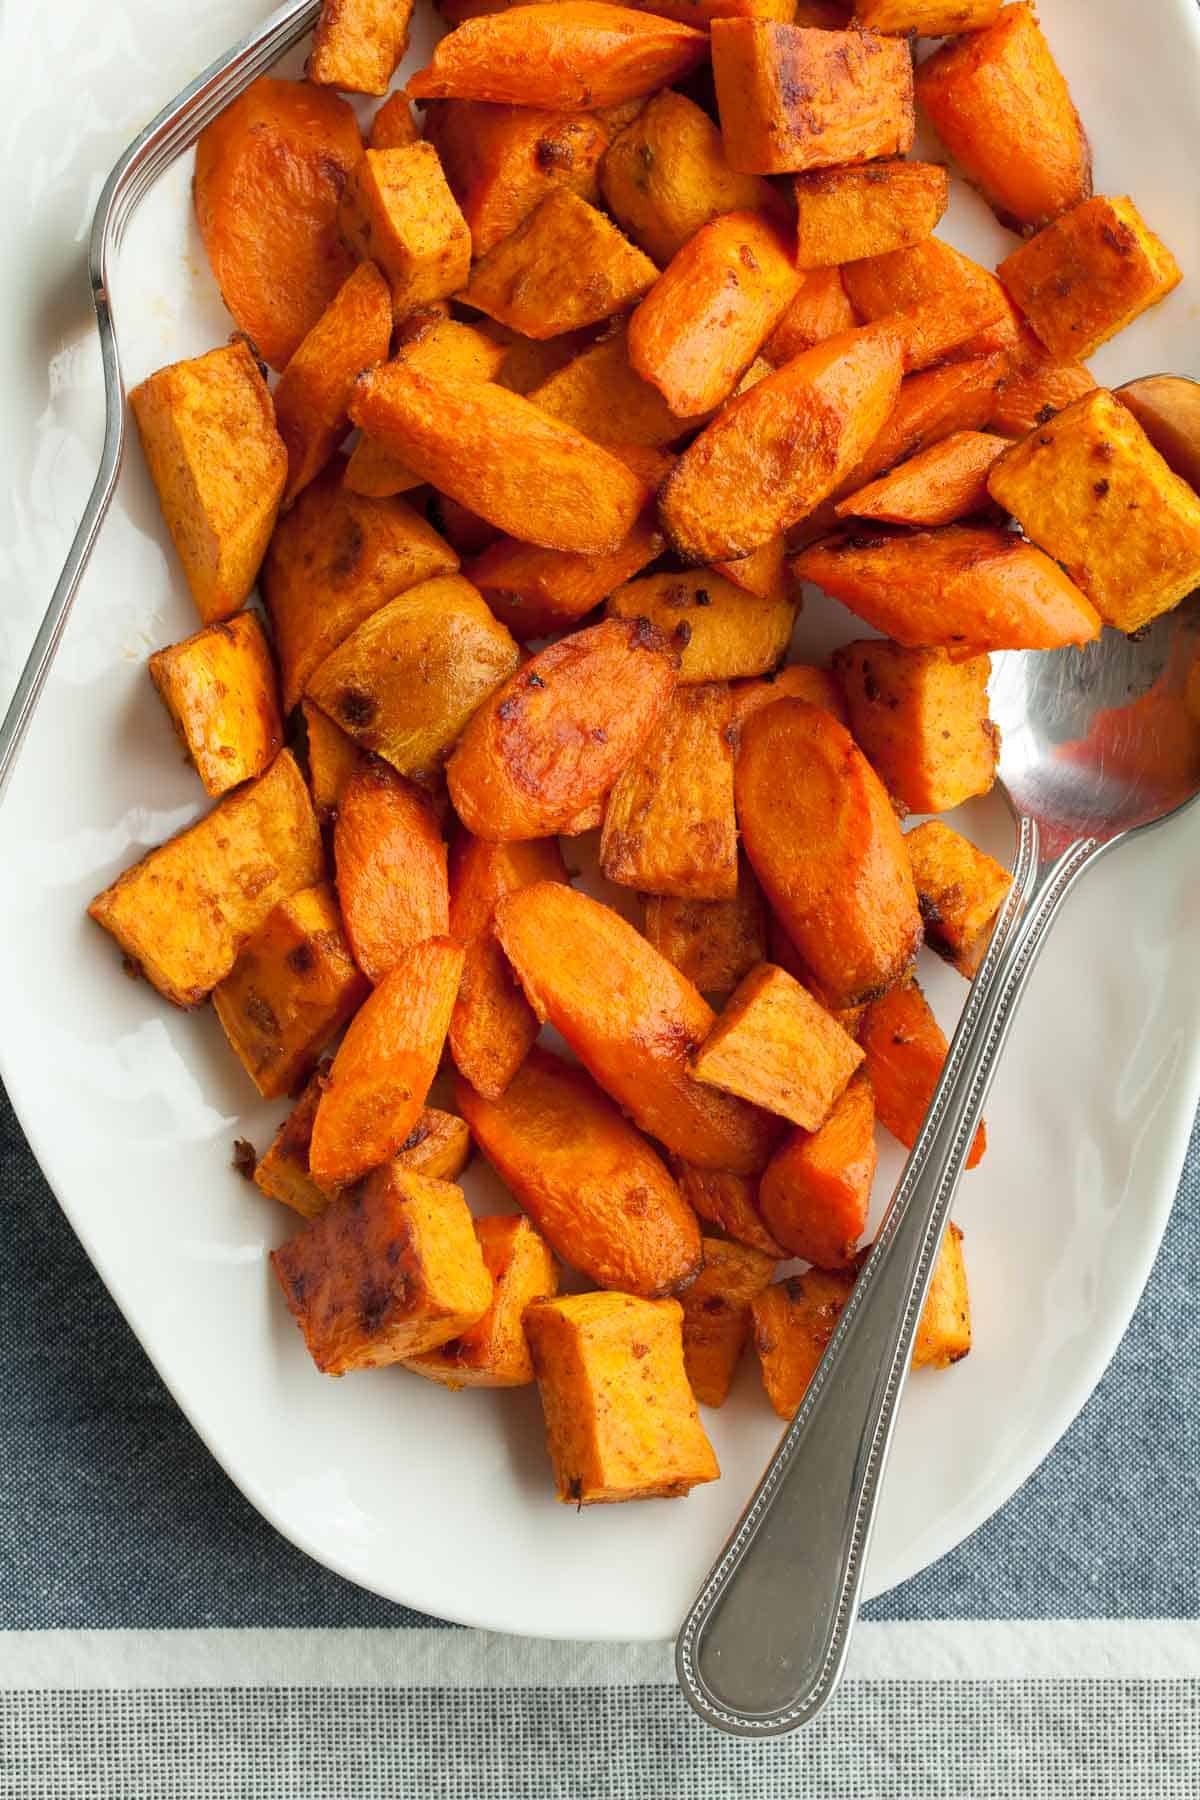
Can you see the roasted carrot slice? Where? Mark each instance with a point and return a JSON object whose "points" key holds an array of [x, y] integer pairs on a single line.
{"points": [[937, 486], [906, 1049], [935, 296], [1037, 387], [352, 334], [930, 406], [720, 631], [537, 592], [391, 868], [820, 310], [816, 1189]]}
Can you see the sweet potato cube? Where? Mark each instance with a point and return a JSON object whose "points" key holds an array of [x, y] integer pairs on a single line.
{"points": [[935, 296], [220, 690], [333, 561], [793, 1323], [1036, 388], [1088, 275], [183, 912], [816, 1190], [218, 464], [798, 681], [906, 1049], [621, 1421], [764, 572], [713, 942], [397, 210], [332, 759], [961, 396], [565, 266], [960, 890], [777, 1047], [925, 18], [922, 720], [493, 1025], [600, 394], [494, 1352], [866, 210], [597, 1192], [937, 486], [501, 161], [376, 1090], [717, 630], [727, 1201], [537, 593], [386, 1271], [1090, 488], [393, 125], [999, 103], [293, 986], [669, 826], [352, 334], [391, 869], [666, 176], [820, 310], [794, 97], [944, 1329], [357, 45], [716, 1316]]}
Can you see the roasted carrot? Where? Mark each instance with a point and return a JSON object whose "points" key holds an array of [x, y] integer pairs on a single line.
{"points": [[1037, 387], [937, 486], [536, 592], [959, 397], [352, 334], [820, 310], [727, 1201], [391, 868], [816, 1189], [716, 1316], [905, 1050], [934, 295]]}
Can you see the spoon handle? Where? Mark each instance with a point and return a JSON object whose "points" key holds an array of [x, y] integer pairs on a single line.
{"points": [[765, 1643]]}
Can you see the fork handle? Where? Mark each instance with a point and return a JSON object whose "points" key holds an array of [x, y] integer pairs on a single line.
{"points": [[765, 1643]]}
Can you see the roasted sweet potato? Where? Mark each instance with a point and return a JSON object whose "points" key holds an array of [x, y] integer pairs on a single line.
{"points": [[798, 681], [386, 1271], [1090, 488], [352, 334], [702, 323], [358, 43], [493, 1025], [776, 452], [501, 161], [905, 1049], [332, 759], [816, 1190], [218, 464], [793, 1323], [220, 690], [716, 1316], [777, 1047], [184, 911], [929, 407], [1036, 388], [621, 1422], [666, 176], [391, 869], [333, 561], [594, 1188], [718, 631], [397, 209], [599, 393], [868, 209], [728, 1202], [820, 310], [269, 172], [960, 891], [393, 125], [554, 739], [922, 720], [823, 840], [999, 103], [565, 266], [528, 362], [572, 57], [669, 826], [926, 18], [937, 486], [764, 572], [503, 457], [493, 1352], [635, 1029], [934, 296], [1088, 275], [293, 986], [713, 942], [944, 1330], [961, 585], [537, 592], [375, 1092], [795, 97]]}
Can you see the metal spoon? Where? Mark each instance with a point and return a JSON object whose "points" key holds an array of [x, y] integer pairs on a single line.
{"points": [[1096, 745]]}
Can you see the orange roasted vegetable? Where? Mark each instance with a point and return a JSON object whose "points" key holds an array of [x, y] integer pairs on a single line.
{"points": [[716, 1316], [717, 630], [937, 486], [937, 298], [493, 1025], [332, 759], [926, 18], [959, 397], [867, 209], [905, 1049], [820, 310], [493, 1352], [565, 266], [633, 1028], [352, 334], [391, 869], [397, 209], [536, 592], [669, 826], [776, 1046], [220, 690], [944, 1329], [820, 832], [713, 942], [594, 1188], [358, 43], [393, 125], [270, 170], [727, 1201], [999, 103], [1037, 387], [960, 890], [501, 161], [816, 1190], [793, 1323], [529, 362], [375, 1092], [798, 681], [599, 393], [922, 720], [764, 572], [554, 738]]}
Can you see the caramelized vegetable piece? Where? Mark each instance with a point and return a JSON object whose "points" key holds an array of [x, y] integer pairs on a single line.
{"points": [[565, 266], [717, 630], [1088, 275], [554, 739], [501, 161], [332, 759], [493, 1353], [999, 103], [823, 839], [713, 942], [816, 1190], [468, 533], [820, 310], [971, 585], [601, 395], [335, 558], [799, 681], [269, 172], [408, 680], [926, 18], [593, 1187], [929, 407], [700, 327], [906, 1048], [184, 911], [1037, 387], [716, 1316], [358, 43], [621, 1422], [937, 486], [493, 1025], [922, 720], [386, 1271], [669, 826], [764, 572], [793, 1323], [293, 986], [528, 362], [776, 452], [376, 1089], [391, 869], [500, 455], [352, 334], [574, 56], [727, 1201], [1090, 488], [398, 210], [935, 295], [217, 462], [219, 688], [634, 1028], [393, 125], [866, 210], [536, 592], [666, 176], [792, 97], [777, 1047], [960, 890], [944, 1330]]}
